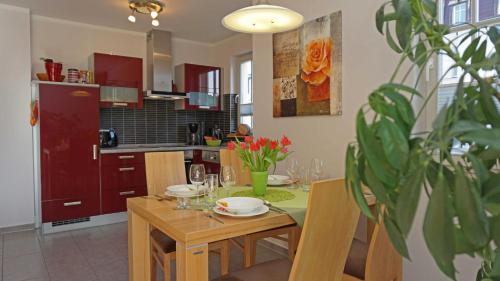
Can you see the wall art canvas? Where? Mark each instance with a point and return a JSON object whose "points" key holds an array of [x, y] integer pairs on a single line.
{"points": [[307, 69]]}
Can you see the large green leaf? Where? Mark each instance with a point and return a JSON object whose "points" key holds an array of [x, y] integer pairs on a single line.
{"points": [[470, 211], [495, 229], [373, 151], [438, 227], [376, 186], [353, 182], [408, 199], [492, 185], [396, 237], [464, 126], [480, 54], [430, 6], [495, 268], [390, 40], [379, 19], [403, 106], [403, 23], [462, 245], [470, 49], [394, 144], [486, 137]]}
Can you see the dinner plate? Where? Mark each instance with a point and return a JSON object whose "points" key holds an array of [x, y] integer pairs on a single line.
{"points": [[262, 210], [240, 205], [182, 190]]}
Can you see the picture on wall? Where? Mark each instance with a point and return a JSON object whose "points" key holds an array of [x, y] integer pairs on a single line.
{"points": [[307, 69]]}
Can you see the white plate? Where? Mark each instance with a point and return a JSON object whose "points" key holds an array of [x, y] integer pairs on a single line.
{"points": [[169, 194], [278, 180], [183, 190], [240, 205], [262, 210], [282, 183]]}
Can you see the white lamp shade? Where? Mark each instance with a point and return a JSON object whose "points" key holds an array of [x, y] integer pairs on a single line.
{"points": [[262, 18], [155, 22]]}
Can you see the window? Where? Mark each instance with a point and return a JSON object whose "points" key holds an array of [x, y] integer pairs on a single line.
{"points": [[456, 12], [246, 93], [488, 9]]}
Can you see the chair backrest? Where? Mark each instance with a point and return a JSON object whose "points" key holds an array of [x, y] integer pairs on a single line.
{"points": [[383, 261], [164, 169], [329, 227], [231, 158]]}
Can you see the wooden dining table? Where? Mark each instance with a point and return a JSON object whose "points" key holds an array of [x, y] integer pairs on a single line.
{"points": [[192, 230]]}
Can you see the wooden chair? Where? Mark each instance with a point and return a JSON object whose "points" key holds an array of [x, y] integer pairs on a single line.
{"points": [[376, 261], [231, 158], [331, 220], [249, 247], [164, 169]]}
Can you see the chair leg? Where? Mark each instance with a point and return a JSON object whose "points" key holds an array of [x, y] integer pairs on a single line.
{"points": [[224, 257], [153, 266], [292, 243], [166, 267], [250, 248]]}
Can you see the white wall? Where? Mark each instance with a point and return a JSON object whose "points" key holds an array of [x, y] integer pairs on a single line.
{"points": [[16, 161], [367, 62]]}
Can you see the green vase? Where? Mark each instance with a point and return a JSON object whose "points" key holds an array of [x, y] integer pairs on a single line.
{"points": [[259, 182]]}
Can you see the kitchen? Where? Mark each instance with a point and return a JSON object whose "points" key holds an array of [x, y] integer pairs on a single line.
{"points": [[78, 151], [168, 116]]}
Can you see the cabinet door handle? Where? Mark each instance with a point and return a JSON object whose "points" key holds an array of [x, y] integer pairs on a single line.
{"points": [[123, 157], [74, 203], [94, 151], [124, 193], [120, 104], [128, 169]]}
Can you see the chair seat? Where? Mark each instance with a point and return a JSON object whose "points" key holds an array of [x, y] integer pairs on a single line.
{"points": [[275, 270], [166, 243], [356, 261]]}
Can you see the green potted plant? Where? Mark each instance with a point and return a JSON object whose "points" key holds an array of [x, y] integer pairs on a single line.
{"points": [[258, 156], [396, 162]]}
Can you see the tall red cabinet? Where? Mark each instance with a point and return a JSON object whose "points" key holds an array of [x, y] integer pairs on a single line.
{"points": [[69, 151]]}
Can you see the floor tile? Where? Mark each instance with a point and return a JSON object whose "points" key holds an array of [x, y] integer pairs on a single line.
{"points": [[24, 268], [74, 269], [114, 271], [20, 244]]}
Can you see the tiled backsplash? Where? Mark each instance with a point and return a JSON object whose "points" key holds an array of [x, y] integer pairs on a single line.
{"points": [[159, 122]]}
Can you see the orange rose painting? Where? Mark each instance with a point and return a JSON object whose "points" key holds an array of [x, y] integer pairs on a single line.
{"points": [[316, 68], [310, 58]]}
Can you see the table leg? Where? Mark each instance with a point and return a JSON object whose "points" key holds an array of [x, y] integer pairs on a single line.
{"points": [[139, 250], [191, 262]]}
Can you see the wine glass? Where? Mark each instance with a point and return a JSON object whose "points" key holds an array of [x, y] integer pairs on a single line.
{"points": [[292, 170], [197, 177], [316, 170], [227, 178], [212, 186]]}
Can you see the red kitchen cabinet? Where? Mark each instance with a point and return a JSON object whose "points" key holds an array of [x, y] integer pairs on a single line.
{"points": [[123, 176], [120, 78], [69, 156], [202, 84]]}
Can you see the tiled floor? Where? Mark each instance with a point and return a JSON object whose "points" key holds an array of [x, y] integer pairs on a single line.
{"points": [[98, 254]]}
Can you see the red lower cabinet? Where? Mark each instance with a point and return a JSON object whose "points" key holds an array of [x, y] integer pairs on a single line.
{"points": [[122, 176], [115, 200]]}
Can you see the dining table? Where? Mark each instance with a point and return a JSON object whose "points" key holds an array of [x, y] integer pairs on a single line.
{"points": [[194, 229]]}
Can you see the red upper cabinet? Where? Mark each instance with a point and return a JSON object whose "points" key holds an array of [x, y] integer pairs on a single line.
{"points": [[120, 78], [202, 84]]}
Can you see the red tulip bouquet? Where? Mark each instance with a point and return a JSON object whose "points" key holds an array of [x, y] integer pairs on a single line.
{"points": [[258, 156]]}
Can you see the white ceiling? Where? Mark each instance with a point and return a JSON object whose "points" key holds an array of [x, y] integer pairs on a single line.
{"points": [[198, 20]]}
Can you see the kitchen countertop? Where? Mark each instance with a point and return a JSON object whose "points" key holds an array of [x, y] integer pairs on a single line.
{"points": [[130, 148]]}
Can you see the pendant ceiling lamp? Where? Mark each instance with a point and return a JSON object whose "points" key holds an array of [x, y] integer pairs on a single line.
{"points": [[262, 18], [150, 7]]}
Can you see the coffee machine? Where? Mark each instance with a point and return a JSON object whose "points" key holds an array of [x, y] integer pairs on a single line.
{"points": [[193, 138]]}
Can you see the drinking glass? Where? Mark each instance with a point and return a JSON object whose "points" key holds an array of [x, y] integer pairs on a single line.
{"points": [[316, 170], [197, 177], [227, 179], [212, 186], [292, 169]]}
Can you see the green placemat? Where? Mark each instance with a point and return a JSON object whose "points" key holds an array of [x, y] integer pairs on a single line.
{"points": [[271, 195]]}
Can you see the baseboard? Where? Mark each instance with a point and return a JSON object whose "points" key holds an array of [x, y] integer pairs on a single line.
{"points": [[91, 222], [17, 228]]}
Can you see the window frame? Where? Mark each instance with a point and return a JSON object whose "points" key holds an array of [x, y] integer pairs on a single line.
{"points": [[239, 60]]}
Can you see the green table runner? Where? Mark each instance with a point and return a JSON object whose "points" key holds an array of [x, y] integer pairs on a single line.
{"points": [[295, 208]]}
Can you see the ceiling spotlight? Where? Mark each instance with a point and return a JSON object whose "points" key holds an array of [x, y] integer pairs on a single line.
{"points": [[151, 7], [131, 18]]}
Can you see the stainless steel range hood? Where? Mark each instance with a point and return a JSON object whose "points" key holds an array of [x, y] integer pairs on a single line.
{"points": [[159, 66]]}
